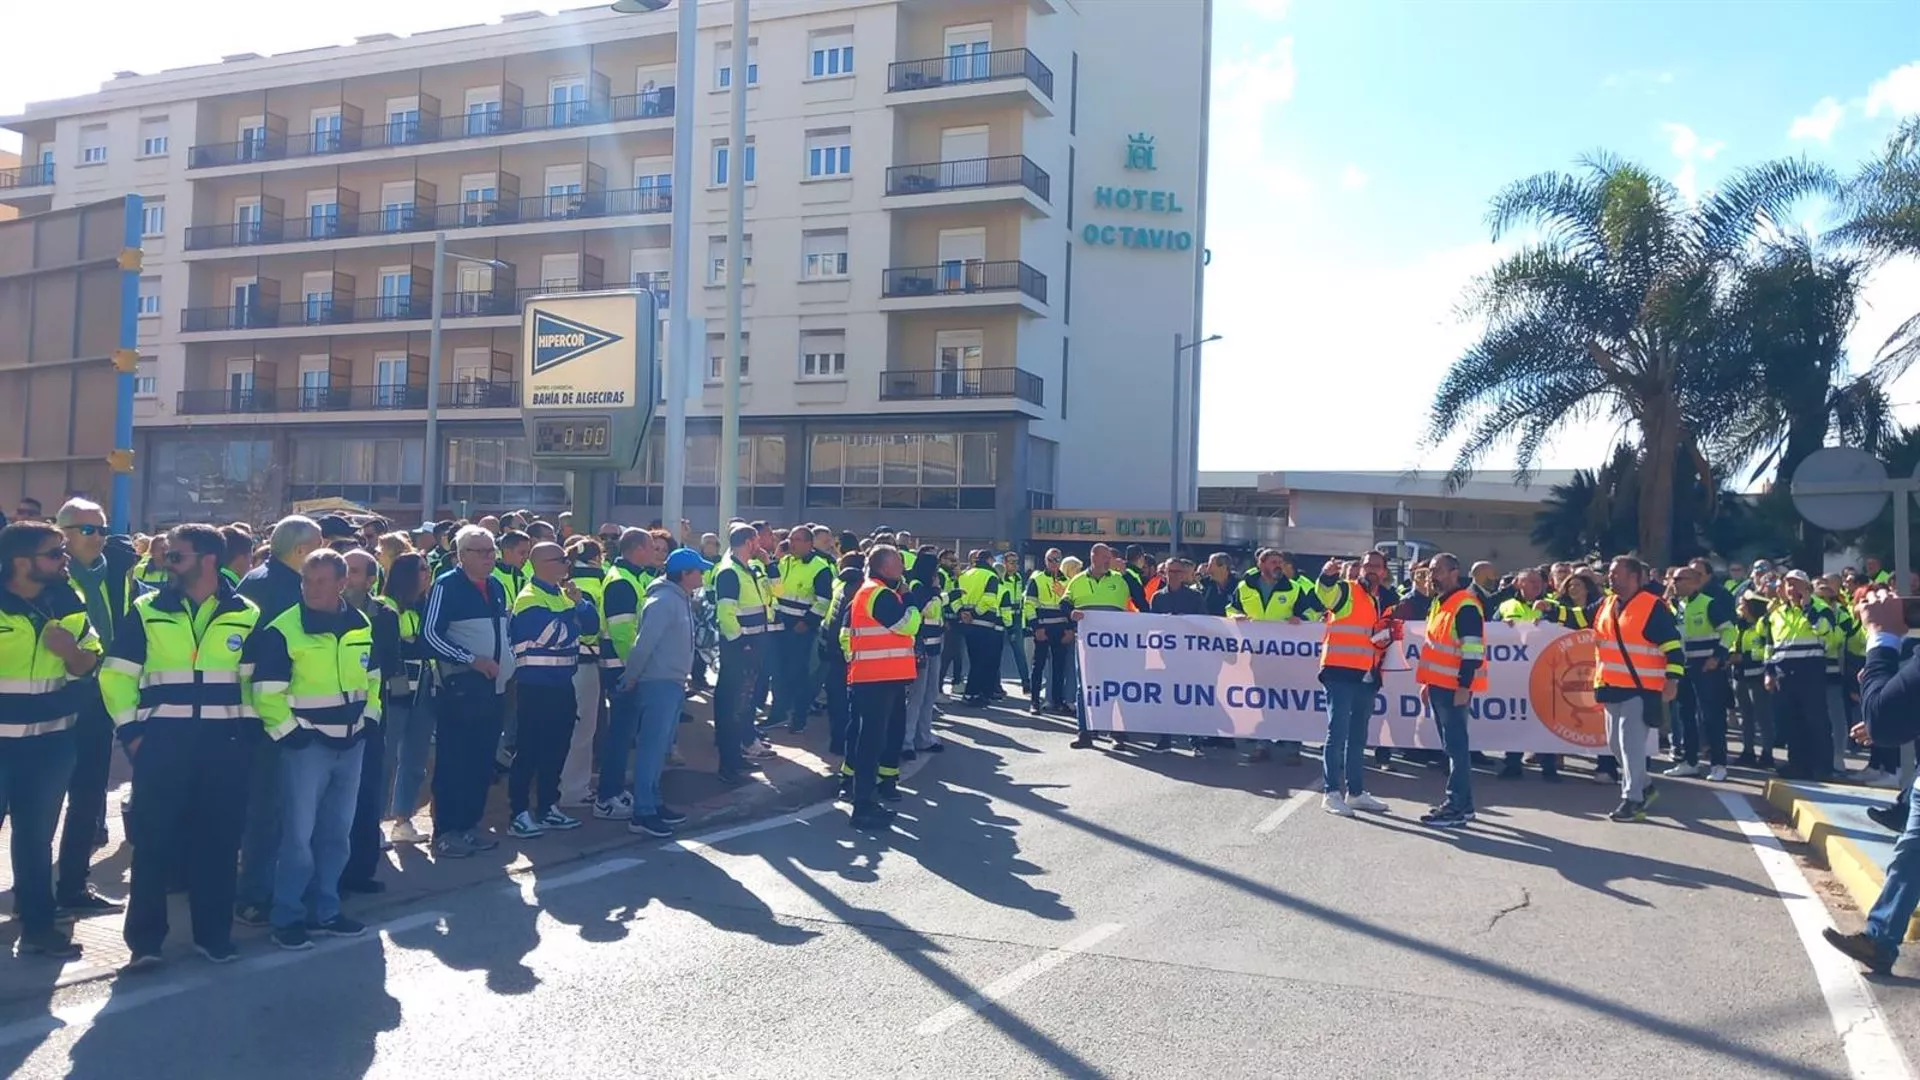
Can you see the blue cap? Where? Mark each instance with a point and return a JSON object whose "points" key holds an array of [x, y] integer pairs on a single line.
{"points": [[685, 559]]}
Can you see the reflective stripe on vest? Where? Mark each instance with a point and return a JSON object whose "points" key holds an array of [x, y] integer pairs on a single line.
{"points": [[1641, 665], [1278, 605], [750, 607], [1443, 651], [182, 670], [876, 653], [1697, 634], [1349, 641]]}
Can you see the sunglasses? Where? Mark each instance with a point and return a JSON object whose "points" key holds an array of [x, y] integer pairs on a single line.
{"points": [[87, 530], [56, 553]]}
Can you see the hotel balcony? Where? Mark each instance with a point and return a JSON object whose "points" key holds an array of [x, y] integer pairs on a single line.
{"points": [[339, 399], [942, 80], [1013, 178], [964, 285], [28, 186], [415, 219], [965, 384]]}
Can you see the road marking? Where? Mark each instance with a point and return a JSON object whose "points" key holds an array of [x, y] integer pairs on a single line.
{"points": [[1015, 979], [698, 844], [1872, 1053], [1282, 812], [527, 886]]}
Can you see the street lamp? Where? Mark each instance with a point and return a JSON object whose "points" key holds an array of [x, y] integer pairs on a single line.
{"points": [[680, 240], [430, 454], [1173, 455]]}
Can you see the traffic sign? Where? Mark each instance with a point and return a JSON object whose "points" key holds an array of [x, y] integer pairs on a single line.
{"points": [[1840, 487], [588, 378]]}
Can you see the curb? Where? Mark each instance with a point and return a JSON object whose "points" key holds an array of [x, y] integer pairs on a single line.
{"points": [[1857, 873]]}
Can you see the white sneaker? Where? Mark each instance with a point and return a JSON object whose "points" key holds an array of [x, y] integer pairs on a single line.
{"points": [[403, 832], [1332, 803], [1683, 769], [1872, 777], [524, 826], [1717, 773], [1364, 801], [618, 808]]}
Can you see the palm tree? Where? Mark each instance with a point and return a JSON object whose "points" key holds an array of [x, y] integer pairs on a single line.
{"points": [[1598, 512], [1609, 313], [1883, 206], [1786, 321]]}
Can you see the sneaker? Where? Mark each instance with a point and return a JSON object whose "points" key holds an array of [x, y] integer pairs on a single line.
{"points": [[759, 750], [403, 832], [1869, 777], [1892, 817], [650, 825], [1865, 951], [1717, 773], [1332, 803], [669, 815], [222, 953], [614, 809], [888, 790], [876, 818], [452, 846], [1364, 801], [1683, 769], [936, 748], [1083, 742], [1649, 797], [524, 827], [1628, 810], [90, 902], [1510, 772], [1446, 819], [292, 938], [49, 943], [145, 961], [557, 820], [252, 915], [909, 754], [338, 926], [482, 841]]}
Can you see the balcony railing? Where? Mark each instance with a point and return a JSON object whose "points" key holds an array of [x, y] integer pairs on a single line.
{"points": [[961, 278], [470, 125], [267, 230], [297, 399], [26, 176], [970, 68], [416, 218], [969, 173], [993, 382]]}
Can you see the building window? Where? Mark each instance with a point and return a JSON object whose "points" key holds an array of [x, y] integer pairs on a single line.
{"points": [[146, 381], [829, 153], [903, 471], [212, 480], [153, 137], [824, 254], [149, 297], [832, 53], [497, 471], [717, 356], [1041, 457], [367, 471], [153, 218], [823, 354], [717, 260], [721, 158], [763, 471], [723, 64], [93, 144]]}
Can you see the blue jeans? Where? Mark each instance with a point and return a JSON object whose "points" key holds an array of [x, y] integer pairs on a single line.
{"points": [[1017, 645], [1887, 922], [623, 719], [409, 742], [1453, 738], [33, 782], [1349, 712], [318, 788], [657, 706]]}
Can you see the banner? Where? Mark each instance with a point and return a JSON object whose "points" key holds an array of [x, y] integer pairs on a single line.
{"points": [[1201, 675]]}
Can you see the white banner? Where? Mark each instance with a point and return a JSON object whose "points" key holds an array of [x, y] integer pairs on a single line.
{"points": [[1200, 675]]}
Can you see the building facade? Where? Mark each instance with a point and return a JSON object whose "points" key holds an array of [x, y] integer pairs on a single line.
{"points": [[972, 234]]}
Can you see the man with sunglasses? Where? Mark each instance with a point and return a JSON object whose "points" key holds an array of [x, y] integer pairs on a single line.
{"points": [[98, 566], [46, 649]]}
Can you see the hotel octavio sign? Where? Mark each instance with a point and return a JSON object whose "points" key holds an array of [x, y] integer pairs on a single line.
{"points": [[1157, 203]]}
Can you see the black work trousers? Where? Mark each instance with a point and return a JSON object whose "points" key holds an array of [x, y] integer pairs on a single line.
{"points": [[86, 795], [1800, 713], [545, 714], [1050, 658], [879, 727], [985, 645], [733, 700], [465, 735], [190, 781]]}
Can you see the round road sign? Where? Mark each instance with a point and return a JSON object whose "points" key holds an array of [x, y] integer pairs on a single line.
{"points": [[1820, 483]]}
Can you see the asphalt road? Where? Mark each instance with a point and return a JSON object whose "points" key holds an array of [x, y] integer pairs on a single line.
{"points": [[1043, 912]]}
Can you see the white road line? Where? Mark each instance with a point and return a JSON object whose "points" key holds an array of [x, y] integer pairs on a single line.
{"points": [[528, 886], [1282, 812], [1872, 1053], [1015, 979], [696, 845]]}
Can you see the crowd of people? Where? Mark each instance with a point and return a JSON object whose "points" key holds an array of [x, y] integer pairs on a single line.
{"points": [[291, 702]]}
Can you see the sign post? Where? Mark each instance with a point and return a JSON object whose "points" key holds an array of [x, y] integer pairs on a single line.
{"points": [[589, 385]]}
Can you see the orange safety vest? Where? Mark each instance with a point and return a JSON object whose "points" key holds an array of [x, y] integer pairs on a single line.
{"points": [[1349, 640], [876, 653], [1441, 655], [1639, 666]]}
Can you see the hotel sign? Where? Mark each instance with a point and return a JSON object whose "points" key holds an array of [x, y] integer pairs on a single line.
{"points": [[1092, 525], [1127, 198]]}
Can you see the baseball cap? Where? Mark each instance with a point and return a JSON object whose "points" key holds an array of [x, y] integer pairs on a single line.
{"points": [[423, 528], [1799, 575], [684, 559], [333, 525]]}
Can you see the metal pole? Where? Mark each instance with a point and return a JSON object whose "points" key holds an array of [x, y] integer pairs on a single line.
{"points": [[1192, 500], [1902, 535], [1173, 455], [736, 225], [680, 278], [430, 454]]}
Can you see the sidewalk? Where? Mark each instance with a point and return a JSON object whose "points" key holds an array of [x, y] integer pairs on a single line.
{"points": [[798, 776]]}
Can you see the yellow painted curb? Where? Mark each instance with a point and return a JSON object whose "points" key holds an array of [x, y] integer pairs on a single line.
{"points": [[1860, 875]]}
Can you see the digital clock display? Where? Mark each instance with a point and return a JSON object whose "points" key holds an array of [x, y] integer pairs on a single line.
{"points": [[588, 436]]}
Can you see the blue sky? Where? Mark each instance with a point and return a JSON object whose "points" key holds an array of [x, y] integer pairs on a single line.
{"points": [[1356, 143]]}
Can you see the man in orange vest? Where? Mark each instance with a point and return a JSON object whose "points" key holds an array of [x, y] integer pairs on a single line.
{"points": [[1359, 612], [1452, 669], [878, 639], [1639, 660]]}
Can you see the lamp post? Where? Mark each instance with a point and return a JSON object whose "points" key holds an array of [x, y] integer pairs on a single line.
{"points": [[430, 453], [680, 277], [1180, 348], [736, 273]]}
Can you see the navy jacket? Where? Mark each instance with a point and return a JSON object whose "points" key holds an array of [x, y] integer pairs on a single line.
{"points": [[1890, 696], [273, 586]]}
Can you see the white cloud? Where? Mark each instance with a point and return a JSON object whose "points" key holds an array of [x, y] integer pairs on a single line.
{"points": [[1897, 94], [1819, 123], [1691, 149], [1353, 178], [1247, 91]]}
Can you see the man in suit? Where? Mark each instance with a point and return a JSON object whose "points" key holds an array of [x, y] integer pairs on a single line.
{"points": [[1890, 702]]}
